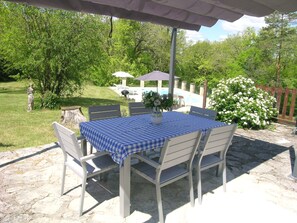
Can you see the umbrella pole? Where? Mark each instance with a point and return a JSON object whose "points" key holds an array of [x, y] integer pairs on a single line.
{"points": [[172, 61]]}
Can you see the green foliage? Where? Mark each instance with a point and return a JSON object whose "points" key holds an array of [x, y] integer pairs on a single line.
{"points": [[6, 74], [54, 49], [50, 100], [268, 58], [139, 48], [134, 47], [214, 61], [195, 65], [60, 50], [278, 53], [237, 100]]}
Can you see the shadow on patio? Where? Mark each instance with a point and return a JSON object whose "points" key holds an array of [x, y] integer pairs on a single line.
{"points": [[259, 162]]}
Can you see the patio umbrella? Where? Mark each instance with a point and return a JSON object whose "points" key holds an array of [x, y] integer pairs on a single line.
{"points": [[186, 14], [155, 76], [123, 75]]}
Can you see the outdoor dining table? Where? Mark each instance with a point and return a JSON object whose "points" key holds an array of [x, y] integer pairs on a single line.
{"points": [[125, 136]]}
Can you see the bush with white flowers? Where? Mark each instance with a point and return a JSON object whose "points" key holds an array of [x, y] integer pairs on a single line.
{"points": [[237, 100]]}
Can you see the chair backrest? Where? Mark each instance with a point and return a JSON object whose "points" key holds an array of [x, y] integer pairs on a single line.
{"points": [[99, 112], [138, 108], [203, 112], [179, 149], [68, 141], [219, 140]]}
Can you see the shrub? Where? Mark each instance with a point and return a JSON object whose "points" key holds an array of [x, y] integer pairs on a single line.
{"points": [[238, 101], [50, 100]]}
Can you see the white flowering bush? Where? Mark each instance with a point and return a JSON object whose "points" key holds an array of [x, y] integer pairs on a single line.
{"points": [[237, 100]]}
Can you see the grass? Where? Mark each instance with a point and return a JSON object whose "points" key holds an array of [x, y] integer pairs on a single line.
{"points": [[21, 129]]}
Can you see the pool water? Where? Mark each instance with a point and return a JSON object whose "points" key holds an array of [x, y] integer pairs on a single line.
{"points": [[189, 98]]}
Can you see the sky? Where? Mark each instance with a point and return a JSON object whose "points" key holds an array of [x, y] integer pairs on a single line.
{"points": [[222, 29]]}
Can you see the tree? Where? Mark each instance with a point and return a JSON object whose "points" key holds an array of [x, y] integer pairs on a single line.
{"points": [[53, 48], [6, 74], [195, 63], [276, 41], [134, 47], [211, 61], [5, 71]]}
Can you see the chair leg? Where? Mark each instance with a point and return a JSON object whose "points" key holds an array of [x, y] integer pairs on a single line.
{"points": [[63, 179], [192, 200], [91, 149], [159, 201], [199, 189], [219, 169], [224, 177], [83, 189]]}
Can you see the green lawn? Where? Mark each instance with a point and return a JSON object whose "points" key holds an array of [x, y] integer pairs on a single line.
{"points": [[20, 129]]}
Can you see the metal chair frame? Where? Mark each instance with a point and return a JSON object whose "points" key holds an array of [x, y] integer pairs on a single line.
{"points": [[203, 112], [138, 108], [84, 166], [100, 112], [177, 150], [213, 154]]}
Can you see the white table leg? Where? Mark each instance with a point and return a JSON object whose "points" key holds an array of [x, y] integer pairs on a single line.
{"points": [[125, 188]]}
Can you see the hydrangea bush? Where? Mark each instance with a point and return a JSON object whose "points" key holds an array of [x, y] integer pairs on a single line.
{"points": [[237, 100]]}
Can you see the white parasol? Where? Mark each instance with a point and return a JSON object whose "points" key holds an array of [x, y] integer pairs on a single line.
{"points": [[123, 75]]}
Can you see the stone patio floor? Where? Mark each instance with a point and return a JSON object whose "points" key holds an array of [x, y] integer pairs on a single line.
{"points": [[259, 187]]}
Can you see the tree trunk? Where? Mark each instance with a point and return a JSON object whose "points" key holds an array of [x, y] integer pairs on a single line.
{"points": [[278, 60], [72, 116]]}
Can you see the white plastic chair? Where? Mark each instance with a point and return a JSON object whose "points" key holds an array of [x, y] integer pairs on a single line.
{"points": [[203, 112], [177, 150], [84, 166], [213, 154]]}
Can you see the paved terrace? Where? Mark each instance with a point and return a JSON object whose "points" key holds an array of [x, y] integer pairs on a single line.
{"points": [[258, 188]]}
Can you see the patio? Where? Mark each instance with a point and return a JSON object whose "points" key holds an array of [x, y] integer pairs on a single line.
{"points": [[259, 187]]}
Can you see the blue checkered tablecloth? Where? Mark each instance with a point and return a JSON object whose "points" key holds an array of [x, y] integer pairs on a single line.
{"points": [[125, 136]]}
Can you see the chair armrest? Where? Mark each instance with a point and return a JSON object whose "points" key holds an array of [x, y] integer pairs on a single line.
{"points": [[93, 156], [147, 160], [82, 142], [80, 137]]}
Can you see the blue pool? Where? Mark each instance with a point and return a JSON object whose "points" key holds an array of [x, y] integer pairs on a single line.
{"points": [[189, 98]]}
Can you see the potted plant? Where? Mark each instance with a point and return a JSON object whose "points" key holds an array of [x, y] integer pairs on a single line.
{"points": [[157, 103]]}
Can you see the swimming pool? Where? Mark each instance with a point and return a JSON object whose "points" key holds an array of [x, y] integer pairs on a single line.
{"points": [[189, 98]]}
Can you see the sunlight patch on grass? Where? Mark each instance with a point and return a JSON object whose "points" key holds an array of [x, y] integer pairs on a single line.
{"points": [[21, 129]]}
